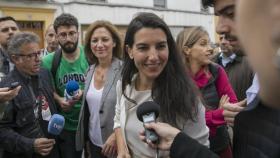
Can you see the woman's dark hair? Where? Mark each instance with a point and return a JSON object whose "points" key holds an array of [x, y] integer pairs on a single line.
{"points": [[173, 89], [117, 50]]}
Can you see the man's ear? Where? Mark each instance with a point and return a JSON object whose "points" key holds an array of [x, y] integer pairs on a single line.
{"points": [[186, 50], [129, 51], [15, 59]]}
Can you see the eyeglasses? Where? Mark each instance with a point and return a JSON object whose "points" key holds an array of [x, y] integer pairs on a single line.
{"points": [[31, 56], [63, 35]]}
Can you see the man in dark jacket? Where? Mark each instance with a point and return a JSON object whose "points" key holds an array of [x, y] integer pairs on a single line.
{"points": [[23, 128], [236, 65], [178, 143], [8, 27], [257, 127]]}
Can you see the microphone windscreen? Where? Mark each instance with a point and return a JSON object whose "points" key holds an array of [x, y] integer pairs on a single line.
{"points": [[72, 86], [56, 124], [147, 107]]}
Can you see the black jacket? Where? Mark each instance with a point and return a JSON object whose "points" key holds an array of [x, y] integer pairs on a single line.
{"points": [[256, 135], [257, 132], [240, 74], [184, 146], [5, 64], [22, 118]]}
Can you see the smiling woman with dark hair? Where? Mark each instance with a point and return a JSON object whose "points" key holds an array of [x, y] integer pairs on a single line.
{"points": [[153, 71]]}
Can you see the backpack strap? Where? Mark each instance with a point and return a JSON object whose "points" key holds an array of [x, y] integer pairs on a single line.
{"points": [[55, 62]]}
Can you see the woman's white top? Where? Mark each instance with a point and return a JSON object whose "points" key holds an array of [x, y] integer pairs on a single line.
{"points": [[94, 99], [126, 119]]}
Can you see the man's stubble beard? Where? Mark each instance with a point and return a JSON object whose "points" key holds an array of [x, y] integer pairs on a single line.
{"points": [[69, 50]]}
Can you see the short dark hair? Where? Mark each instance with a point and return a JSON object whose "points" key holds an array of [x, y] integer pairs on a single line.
{"points": [[173, 89], [7, 18], [207, 3], [65, 19]]}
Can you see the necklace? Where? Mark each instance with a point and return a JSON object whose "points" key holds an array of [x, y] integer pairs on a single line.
{"points": [[100, 77]]}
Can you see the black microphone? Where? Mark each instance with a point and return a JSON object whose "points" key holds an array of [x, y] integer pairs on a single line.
{"points": [[147, 112]]}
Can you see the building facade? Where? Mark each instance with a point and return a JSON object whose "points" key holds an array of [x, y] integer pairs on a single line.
{"points": [[36, 15]]}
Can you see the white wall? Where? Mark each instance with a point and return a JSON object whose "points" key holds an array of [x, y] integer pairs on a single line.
{"points": [[123, 15], [142, 3], [186, 5], [60, 1]]}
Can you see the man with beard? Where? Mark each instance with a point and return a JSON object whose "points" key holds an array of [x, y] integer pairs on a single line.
{"points": [[242, 76], [72, 66], [51, 41]]}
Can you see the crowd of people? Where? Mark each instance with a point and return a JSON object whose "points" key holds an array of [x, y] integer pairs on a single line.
{"points": [[211, 105]]}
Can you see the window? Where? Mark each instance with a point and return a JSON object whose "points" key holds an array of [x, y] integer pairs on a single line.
{"points": [[160, 3], [204, 10], [35, 0], [97, 0]]}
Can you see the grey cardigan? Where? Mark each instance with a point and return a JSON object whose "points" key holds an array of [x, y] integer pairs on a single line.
{"points": [[107, 107]]}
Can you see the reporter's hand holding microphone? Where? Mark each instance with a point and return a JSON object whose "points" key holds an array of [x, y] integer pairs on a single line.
{"points": [[169, 138], [44, 146], [147, 113], [165, 132], [157, 135], [72, 94]]}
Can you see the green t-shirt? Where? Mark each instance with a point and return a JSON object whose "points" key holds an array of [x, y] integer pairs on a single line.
{"points": [[69, 71]]}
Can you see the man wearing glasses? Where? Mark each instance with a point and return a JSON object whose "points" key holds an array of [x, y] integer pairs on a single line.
{"points": [[72, 66], [23, 128]]}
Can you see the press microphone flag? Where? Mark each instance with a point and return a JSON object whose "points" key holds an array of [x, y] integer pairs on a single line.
{"points": [[147, 112], [56, 124], [71, 90]]}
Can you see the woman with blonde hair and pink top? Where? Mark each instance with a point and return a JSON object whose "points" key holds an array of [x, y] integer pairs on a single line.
{"points": [[211, 79]]}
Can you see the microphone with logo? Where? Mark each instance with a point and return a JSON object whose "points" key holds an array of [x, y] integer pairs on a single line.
{"points": [[55, 125], [71, 90], [147, 112]]}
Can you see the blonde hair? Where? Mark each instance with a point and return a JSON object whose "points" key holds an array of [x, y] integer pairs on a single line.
{"points": [[187, 38]]}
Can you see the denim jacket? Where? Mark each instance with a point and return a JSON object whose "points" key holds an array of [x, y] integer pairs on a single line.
{"points": [[22, 119]]}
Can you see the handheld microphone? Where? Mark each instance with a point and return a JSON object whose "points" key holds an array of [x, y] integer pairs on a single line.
{"points": [[147, 112], [56, 124], [71, 90]]}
